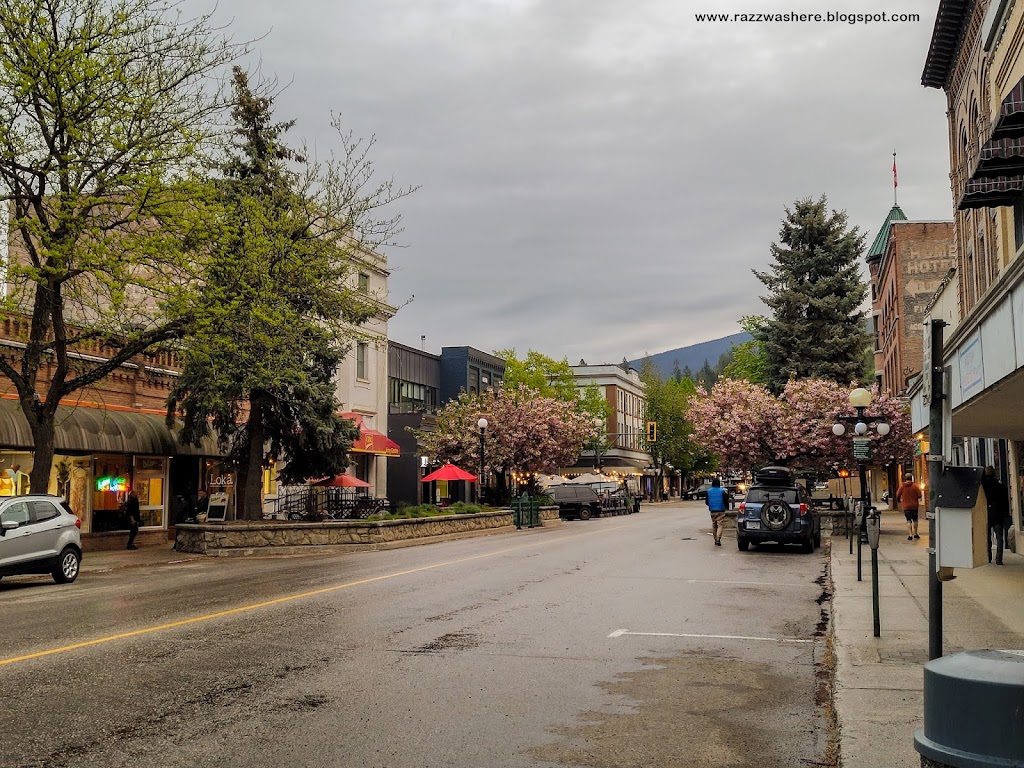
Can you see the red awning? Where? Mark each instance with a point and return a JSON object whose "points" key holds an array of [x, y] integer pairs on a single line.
{"points": [[370, 440]]}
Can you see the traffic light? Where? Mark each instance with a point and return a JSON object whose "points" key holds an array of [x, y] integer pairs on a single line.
{"points": [[652, 431], [844, 473]]}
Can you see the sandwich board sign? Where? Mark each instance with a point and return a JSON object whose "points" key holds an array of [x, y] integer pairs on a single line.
{"points": [[218, 507]]}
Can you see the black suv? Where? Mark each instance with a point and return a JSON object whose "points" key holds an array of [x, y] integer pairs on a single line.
{"points": [[579, 501], [779, 509]]}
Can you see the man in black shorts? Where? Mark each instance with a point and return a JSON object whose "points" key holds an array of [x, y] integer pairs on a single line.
{"points": [[909, 497]]}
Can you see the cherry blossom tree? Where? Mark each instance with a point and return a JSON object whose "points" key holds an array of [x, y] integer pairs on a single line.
{"points": [[748, 427], [525, 433]]}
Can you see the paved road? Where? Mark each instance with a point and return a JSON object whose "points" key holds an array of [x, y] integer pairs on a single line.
{"points": [[627, 641]]}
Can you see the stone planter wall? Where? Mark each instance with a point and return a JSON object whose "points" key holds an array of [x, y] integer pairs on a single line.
{"points": [[240, 537]]}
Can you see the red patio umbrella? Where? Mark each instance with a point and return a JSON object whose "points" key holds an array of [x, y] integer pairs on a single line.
{"points": [[449, 472], [343, 481]]}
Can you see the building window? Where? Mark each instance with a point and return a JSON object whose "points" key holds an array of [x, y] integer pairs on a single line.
{"points": [[1018, 223], [364, 282], [361, 348]]}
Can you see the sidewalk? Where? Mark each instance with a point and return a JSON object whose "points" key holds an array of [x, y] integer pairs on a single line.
{"points": [[878, 696], [113, 559]]}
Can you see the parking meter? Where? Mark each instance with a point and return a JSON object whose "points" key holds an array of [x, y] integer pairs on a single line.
{"points": [[858, 514], [874, 527]]}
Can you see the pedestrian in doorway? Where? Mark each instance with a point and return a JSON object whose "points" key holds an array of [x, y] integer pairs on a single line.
{"points": [[909, 497], [202, 503], [718, 503], [131, 508], [998, 502]]}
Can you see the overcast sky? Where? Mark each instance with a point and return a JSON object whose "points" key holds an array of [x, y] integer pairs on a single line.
{"points": [[599, 177]]}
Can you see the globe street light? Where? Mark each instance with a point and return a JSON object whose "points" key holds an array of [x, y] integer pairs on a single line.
{"points": [[860, 399], [482, 424]]}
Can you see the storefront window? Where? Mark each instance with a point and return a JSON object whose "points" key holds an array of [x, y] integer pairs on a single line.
{"points": [[14, 469], [113, 474], [149, 485], [270, 489], [219, 479], [70, 479]]}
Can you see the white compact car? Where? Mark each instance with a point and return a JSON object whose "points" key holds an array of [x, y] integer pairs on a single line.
{"points": [[40, 534]]}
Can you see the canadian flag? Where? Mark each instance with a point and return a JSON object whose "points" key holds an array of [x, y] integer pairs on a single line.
{"points": [[894, 182]]}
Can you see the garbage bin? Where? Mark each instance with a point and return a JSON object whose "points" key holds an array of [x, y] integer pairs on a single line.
{"points": [[973, 717]]}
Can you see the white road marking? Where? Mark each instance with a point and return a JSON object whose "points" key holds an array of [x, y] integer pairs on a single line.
{"points": [[749, 583], [621, 632]]}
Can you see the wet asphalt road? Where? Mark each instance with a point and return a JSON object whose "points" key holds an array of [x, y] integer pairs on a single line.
{"points": [[627, 641]]}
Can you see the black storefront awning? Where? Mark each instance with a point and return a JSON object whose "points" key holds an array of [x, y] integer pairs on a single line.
{"points": [[83, 429], [1010, 118], [1000, 157], [991, 193]]}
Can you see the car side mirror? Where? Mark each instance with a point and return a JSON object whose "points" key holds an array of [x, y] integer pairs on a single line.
{"points": [[8, 525]]}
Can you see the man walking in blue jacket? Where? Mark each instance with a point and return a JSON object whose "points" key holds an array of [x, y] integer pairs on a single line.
{"points": [[718, 502]]}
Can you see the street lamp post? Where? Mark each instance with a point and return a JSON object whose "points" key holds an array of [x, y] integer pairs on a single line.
{"points": [[482, 424], [860, 399]]}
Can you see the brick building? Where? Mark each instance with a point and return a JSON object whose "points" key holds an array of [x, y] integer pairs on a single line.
{"points": [[110, 437], [907, 262]]}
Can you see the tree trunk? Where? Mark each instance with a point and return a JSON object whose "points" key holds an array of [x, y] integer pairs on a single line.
{"points": [[42, 424], [251, 472], [501, 495]]}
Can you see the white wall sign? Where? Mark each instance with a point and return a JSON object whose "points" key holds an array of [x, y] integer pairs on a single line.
{"points": [[972, 367]]}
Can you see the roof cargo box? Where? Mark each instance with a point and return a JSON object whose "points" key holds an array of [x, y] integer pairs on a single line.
{"points": [[774, 476]]}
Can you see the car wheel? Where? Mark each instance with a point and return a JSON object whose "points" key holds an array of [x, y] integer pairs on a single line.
{"points": [[808, 546], [776, 515], [67, 570], [742, 544], [584, 513], [817, 536]]}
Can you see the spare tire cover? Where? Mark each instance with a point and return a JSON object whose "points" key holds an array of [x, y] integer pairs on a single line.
{"points": [[776, 515]]}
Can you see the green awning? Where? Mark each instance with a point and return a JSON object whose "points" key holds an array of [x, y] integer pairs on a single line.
{"points": [[94, 430]]}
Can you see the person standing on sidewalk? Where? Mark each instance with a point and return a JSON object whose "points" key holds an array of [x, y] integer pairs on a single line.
{"points": [[718, 502], [131, 508], [909, 497], [998, 501]]}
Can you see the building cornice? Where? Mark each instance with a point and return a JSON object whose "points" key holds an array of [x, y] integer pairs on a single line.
{"points": [[947, 35]]}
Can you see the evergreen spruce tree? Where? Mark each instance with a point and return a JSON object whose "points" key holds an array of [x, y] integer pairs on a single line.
{"points": [[815, 294], [707, 376], [278, 311]]}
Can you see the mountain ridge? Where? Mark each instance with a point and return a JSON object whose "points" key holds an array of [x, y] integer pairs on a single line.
{"points": [[694, 355]]}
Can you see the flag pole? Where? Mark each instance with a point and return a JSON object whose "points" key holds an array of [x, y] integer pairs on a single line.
{"points": [[894, 182]]}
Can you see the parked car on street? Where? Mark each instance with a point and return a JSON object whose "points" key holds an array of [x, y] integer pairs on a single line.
{"points": [[737, 490], [777, 509], [579, 501], [40, 534], [700, 492]]}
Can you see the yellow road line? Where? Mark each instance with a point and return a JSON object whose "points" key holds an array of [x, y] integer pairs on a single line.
{"points": [[285, 599]]}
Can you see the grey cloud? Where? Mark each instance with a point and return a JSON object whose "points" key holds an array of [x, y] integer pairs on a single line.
{"points": [[599, 178]]}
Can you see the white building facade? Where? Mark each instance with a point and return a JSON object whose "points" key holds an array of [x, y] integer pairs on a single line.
{"points": [[621, 450], [362, 379]]}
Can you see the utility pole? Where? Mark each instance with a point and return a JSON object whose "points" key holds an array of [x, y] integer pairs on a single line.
{"points": [[936, 404]]}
